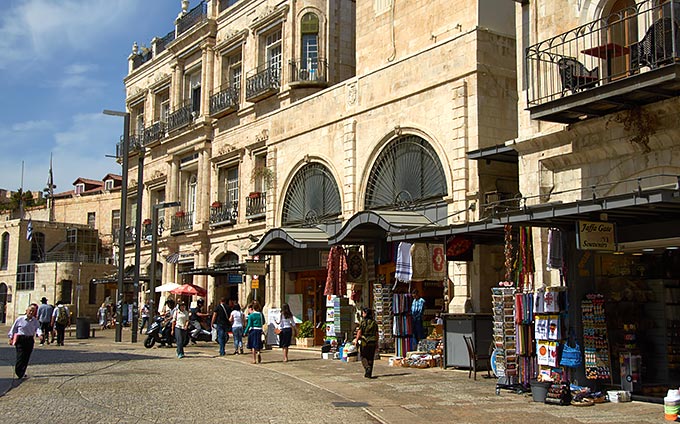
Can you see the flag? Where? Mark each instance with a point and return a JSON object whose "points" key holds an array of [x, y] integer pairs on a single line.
{"points": [[29, 230], [173, 258]]}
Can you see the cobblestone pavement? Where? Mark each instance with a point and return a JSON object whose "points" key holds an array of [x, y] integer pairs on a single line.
{"points": [[99, 381]]}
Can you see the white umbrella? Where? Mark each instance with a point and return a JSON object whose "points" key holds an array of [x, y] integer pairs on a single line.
{"points": [[166, 287]]}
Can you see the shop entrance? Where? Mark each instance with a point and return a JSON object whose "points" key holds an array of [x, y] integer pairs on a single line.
{"points": [[311, 285]]}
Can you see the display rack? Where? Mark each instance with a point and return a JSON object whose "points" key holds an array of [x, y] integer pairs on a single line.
{"points": [[595, 340], [550, 332], [402, 327], [382, 293], [504, 338]]}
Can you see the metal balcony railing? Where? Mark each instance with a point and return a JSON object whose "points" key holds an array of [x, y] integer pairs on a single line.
{"points": [[141, 59], [226, 100], [195, 16], [181, 223], [618, 46], [162, 43], [223, 214], [312, 71], [265, 80], [256, 205], [154, 132], [180, 118]]}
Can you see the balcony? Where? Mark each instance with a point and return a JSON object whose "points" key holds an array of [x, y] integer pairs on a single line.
{"points": [[181, 223], [223, 214], [627, 59], [263, 82], [308, 73], [154, 133], [180, 118], [256, 205], [225, 101], [193, 17], [162, 43]]}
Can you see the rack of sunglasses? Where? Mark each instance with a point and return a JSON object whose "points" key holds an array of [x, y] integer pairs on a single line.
{"points": [[504, 336], [382, 299], [595, 341]]}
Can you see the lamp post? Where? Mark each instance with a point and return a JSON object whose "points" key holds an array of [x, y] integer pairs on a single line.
{"points": [[123, 218], [154, 248], [138, 243]]}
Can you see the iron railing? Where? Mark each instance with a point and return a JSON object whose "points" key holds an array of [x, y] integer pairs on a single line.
{"points": [[180, 118], [181, 223], [264, 80], [162, 43], [154, 132], [256, 205], [195, 16], [141, 59], [309, 71], [621, 45], [226, 99], [224, 214]]}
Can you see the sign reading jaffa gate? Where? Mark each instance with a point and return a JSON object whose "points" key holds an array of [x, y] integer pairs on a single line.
{"points": [[596, 236]]}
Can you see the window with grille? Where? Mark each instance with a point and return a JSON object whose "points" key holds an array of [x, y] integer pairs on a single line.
{"points": [[232, 69], [115, 221], [162, 105], [309, 27], [25, 279], [232, 185], [274, 52], [4, 251], [407, 171], [194, 91], [313, 196]]}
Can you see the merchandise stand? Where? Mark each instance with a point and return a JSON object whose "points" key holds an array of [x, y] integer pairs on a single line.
{"points": [[504, 339], [403, 325], [382, 293], [595, 340], [550, 331]]}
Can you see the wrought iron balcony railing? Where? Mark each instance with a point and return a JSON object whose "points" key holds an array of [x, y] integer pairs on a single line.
{"points": [[309, 71], [180, 118], [196, 15], [181, 223], [226, 100], [623, 45], [154, 132], [256, 205], [142, 58], [162, 43], [223, 214], [264, 81]]}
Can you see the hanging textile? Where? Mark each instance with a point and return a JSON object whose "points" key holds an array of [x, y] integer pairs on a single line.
{"points": [[420, 262], [555, 249], [525, 260], [438, 266], [403, 270], [356, 266], [336, 279], [509, 255]]}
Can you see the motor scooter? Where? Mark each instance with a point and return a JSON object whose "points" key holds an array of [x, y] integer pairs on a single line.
{"points": [[197, 333], [159, 332]]}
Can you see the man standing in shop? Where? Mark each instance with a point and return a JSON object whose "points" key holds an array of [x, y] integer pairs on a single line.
{"points": [[417, 313]]}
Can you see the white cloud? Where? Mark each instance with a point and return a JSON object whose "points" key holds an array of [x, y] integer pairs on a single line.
{"points": [[32, 126]]}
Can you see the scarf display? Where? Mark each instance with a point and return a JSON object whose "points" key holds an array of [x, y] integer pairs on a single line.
{"points": [[403, 270], [438, 268], [420, 262], [336, 279]]}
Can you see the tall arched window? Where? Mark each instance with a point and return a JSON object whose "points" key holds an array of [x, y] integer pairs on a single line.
{"points": [[309, 55], [38, 247], [622, 30], [407, 172], [312, 197], [191, 197], [4, 251]]}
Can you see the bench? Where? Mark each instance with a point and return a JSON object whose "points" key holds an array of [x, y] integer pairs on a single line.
{"points": [[72, 328]]}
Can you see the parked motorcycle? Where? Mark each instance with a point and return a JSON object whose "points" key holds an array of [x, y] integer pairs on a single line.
{"points": [[159, 332], [197, 333]]}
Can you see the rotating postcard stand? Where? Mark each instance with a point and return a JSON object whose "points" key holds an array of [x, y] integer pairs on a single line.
{"points": [[504, 356]]}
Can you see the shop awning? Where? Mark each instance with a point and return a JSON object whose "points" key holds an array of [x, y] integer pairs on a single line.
{"points": [[216, 270], [281, 240], [496, 153], [483, 232], [370, 225]]}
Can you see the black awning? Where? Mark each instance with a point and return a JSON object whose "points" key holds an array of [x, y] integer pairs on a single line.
{"points": [[281, 240], [371, 225], [496, 153], [216, 270], [484, 232]]}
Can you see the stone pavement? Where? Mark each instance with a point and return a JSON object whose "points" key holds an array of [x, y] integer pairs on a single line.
{"points": [[98, 380]]}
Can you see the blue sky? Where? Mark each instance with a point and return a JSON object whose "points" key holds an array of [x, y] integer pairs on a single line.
{"points": [[62, 62]]}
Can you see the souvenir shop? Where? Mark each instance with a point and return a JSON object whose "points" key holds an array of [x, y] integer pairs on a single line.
{"points": [[609, 321]]}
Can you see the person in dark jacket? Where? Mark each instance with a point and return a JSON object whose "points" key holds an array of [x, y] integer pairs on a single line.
{"points": [[367, 340]]}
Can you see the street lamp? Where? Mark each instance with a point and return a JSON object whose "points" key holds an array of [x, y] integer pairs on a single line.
{"points": [[123, 218], [154, 248]]}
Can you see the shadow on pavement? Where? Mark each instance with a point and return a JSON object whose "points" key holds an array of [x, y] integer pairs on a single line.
{"points": [[41, 356]]}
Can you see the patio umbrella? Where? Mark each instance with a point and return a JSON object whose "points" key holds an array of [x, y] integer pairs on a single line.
{"points": [[189, 290], [166, 287]]}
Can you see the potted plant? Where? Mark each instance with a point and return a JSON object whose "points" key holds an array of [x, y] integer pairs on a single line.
{"points": [[305, 334], [179, 214], [254, 195], [216, 204], [147, 221]]}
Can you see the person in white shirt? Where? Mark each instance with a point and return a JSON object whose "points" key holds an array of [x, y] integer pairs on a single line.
{"points": [[180, 324], [22, 336], [236, 319], [286, 330]]}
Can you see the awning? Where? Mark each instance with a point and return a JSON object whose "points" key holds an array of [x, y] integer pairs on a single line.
{"points": [[484, 232], [215, 270], [496, 153], [281, 240], [371, 225]]}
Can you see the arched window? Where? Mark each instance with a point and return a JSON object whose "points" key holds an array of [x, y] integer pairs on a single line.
{"points": [[228, 258], [312, 197], [4, 251], [309, 54], [407, 171], [622, 30], [38, 247]]}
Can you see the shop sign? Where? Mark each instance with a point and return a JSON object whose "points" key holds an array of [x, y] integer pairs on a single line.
{"points": [[255, 268], [592, 235], [234, 279], [255, 283]]}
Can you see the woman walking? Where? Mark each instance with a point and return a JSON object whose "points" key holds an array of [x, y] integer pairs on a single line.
{"points": [[286, 327], [236, 319], [366, 338], [22, 336], [254, 326], [180, 323]]}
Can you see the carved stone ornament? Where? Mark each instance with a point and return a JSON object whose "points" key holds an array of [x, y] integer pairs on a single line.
{"points": [[351, 93], [227, 148], [262, 136]]}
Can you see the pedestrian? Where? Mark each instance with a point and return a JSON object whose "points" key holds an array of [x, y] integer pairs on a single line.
{"points": [[254, 325], [180, 324], [145, 318], [417, 313], [220, 319], [60, 320], [367, 339], [45, 319], [236, 320], [286, 328], [22, 336], [102, 315]]}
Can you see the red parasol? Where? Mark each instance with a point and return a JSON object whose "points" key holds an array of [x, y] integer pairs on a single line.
{"points": [[189, 290]]}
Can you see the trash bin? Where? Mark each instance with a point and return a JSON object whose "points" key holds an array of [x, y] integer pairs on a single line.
{"points": [[539, 390], [82, 328]]}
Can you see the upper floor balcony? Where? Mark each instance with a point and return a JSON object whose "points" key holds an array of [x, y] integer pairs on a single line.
{"points": [[263, 82], [192, 18], [223, 214], [226, 100], [627, 59], [309, 72], [180, 118], [181, 222], [256, 205]]}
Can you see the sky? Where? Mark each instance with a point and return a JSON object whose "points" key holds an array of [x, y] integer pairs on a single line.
{"points": [[62, 63]]}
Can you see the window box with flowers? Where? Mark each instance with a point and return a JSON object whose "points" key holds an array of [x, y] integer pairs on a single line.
{"points": [[179, 214], [255, 194], [216, 204], [147, 221]]}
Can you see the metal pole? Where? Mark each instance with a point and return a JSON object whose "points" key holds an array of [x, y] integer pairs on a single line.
{"points": [[121, 233], [138, 245], [154, 250]]}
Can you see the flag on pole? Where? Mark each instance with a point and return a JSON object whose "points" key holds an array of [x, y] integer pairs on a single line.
{"points": [[29, 230]]}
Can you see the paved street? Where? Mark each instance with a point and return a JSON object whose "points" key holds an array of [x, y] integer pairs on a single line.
{"points": [[99, 381]]}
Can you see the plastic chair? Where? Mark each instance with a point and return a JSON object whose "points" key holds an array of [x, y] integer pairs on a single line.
{"points": [[575, 76], [476, 358]]}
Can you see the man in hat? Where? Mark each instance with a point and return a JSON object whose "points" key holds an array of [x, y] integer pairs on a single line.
{"points": [[45, 319]]}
